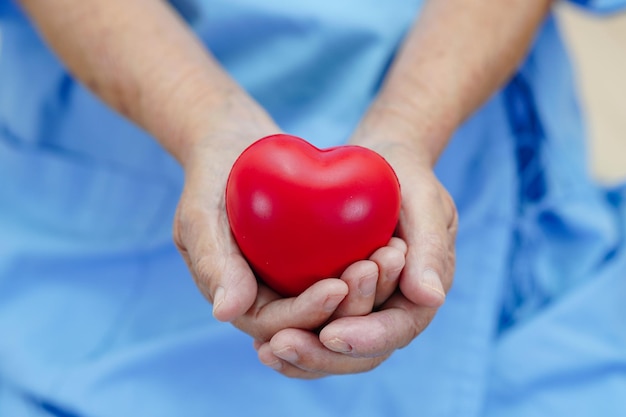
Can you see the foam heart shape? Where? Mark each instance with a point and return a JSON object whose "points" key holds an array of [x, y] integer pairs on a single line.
{"points": [[301, 214]]}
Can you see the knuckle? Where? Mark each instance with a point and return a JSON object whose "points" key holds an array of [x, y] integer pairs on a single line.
{"points": [[403, 338], [184, 225], [413, 322], [420, 321], [177, 232], [206, 271], [206, 268], [398, 244], [437, 252], [396, 260]]}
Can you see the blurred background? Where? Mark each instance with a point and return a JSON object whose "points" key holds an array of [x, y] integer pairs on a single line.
{"points": [[598, 48]]}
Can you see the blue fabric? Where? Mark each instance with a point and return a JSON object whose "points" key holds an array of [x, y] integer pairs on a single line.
{"points": [[600, 6], [98, 314]]}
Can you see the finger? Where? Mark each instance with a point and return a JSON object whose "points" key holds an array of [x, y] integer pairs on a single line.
{"points": [[218, 268], [379, 333], [310, 310], [361, 278], [399, 244], [424, 224], [390, 261], [299, 354], [268, 358]]}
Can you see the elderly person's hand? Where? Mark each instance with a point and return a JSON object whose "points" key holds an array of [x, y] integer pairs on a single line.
{"points": [[359, 337], [436, 81], [203, 236]]}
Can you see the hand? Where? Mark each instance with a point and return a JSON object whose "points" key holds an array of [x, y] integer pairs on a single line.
{"points": [[356, 342], [298, 352], [201, 230], [428, 224], [203, 236]]}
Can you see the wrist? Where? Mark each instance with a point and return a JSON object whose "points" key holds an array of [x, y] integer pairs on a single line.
{"points": [[226, 117], [395, 123]]}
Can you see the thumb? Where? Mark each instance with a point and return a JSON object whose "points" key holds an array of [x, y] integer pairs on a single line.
{"points": [[213, 258], [428, 224]]}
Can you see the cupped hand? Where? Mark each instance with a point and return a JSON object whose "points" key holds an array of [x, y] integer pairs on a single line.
{"points": [[203, 237], [359, 338], [298, 352], [428, 224], [201, 230], [345, 325]]}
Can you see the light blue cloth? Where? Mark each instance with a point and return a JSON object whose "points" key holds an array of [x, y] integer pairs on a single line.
{"points": [[98, 314]]}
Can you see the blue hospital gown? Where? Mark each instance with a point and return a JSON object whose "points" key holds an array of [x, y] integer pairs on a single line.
{"points": [[100, 318]]}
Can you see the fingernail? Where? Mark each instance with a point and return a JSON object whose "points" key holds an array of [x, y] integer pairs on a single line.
{"points": [[367, 286], [277, 365], [332, 302], [430, 280], [338, 345], [289, 354], [218, 299]]}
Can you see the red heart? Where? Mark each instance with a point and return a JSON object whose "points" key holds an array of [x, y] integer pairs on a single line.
{"points": [[300, 214]]}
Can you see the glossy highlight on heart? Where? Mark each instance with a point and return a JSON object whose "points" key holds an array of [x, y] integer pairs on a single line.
{"points": [[301, 214]]}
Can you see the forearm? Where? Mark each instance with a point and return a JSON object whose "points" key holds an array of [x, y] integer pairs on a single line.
{"points": [[457, 54], [141, 59]]}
